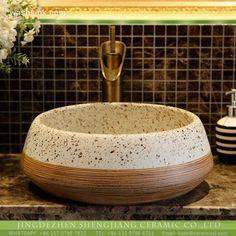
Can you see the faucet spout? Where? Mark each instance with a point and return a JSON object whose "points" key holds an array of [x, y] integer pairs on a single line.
{"points": [[112, 55]]}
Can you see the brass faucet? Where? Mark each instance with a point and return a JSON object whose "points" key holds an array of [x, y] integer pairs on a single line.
{"points": [[112, 55]]}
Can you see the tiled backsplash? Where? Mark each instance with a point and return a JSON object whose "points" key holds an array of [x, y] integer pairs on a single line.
{"points": [[190, 67]]}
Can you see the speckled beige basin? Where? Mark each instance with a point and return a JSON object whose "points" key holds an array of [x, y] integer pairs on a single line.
{"points": [[117, 137]]}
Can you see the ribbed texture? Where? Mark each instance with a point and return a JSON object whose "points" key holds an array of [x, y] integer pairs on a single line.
{"points": [[128, 186], [226, 140]]}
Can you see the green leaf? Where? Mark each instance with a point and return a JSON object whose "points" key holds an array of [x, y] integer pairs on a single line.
{"points": [[18, 59], [5, 68]]}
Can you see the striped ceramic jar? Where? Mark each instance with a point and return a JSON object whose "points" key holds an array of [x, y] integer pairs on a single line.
{"points": [[226, 140]]}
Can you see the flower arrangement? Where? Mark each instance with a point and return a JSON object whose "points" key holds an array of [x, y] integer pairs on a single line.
{"points": [[16, 27]]}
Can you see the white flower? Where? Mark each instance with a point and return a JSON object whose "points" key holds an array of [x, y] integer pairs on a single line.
{"points": [[3, 54], [37, 26], [3, 8], [15, 5], [28, 37], [14, 20], [25, 3], [8, 32]]}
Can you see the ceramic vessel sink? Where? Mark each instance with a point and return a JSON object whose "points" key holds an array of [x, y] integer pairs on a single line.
{"points": [[117, 153]]}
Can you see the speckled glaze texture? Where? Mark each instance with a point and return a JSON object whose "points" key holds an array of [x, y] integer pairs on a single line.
{"points": [[116, 136]]}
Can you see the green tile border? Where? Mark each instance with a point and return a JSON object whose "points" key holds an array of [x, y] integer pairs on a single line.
{"points": [[137, 22]]}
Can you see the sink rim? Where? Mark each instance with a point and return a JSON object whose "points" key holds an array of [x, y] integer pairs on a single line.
{"points": [[195, 119], [117, 151]]}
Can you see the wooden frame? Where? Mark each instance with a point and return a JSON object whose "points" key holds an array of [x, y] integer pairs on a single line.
{"points": [[137, 3], [138, 11]]}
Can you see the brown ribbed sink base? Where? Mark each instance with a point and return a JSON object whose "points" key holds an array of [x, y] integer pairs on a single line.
{"points": [[116, 187]]}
